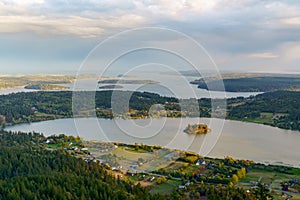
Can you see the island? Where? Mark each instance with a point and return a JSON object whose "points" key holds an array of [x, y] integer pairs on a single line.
{"points": [[250, 84], [197, 129], [126, 81], [46, 87], [111, 87]]}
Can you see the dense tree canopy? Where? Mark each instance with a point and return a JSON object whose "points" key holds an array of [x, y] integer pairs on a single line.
{"points": [[250, 84], [281, 107], [27, 171]]}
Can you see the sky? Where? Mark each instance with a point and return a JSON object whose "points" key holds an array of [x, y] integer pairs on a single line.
{"points": [[57, 36]]}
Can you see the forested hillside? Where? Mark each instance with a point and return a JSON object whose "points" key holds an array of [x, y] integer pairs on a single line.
{"points": [[39, 106], [280, 108], [28, 171], [250, 84]]}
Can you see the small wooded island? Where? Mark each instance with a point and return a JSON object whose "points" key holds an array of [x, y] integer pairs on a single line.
{"points": [[111, 87], [126, 81], [46, 87], [197, 129]]}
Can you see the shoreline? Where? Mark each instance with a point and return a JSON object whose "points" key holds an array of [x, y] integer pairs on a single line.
{"points": [[275, 161], [147, 117]]}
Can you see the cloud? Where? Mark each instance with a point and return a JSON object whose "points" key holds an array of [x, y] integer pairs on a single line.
{"points": [[235, 32], [25, 17], [291, 21], [174, 10], [20, 20], [264, 55], [93, 18]]}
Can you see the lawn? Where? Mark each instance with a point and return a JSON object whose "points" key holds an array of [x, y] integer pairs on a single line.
{"points": [[166, 188], [191, 168], [130, 155]]}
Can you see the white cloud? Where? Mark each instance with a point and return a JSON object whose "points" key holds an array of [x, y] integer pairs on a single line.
{"points": [[19, 19], [22, 16], [99, 17], [235, 32], [291, 21], [264, 55]]}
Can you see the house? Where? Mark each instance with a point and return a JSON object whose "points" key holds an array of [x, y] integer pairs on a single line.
{"points": [[47, 141], [131, 173], [200, 162], [152, 179], [100, 161], [187, 183], [74, 148], [181, 187]]}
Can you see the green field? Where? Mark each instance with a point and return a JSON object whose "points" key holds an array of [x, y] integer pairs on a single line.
{"points": [[166, 188]]}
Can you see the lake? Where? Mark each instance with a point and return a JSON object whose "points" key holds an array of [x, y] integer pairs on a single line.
{"points": [[240, 140], [169, 85]]}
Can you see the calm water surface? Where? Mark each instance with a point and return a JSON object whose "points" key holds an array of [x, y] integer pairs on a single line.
{"points": [[237, 139], [169, 85]]}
